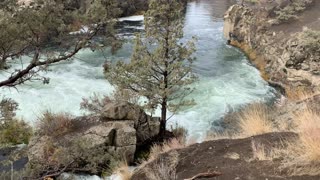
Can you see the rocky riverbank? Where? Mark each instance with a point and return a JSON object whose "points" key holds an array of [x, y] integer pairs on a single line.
{"points": [[281, 38], [279, 141], [88, 144]]}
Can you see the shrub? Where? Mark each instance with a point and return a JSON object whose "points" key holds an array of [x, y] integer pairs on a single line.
{"points": [[55, 124], [15, 132], [12, 130], [8, 109], [290, 12], [310, 40]]}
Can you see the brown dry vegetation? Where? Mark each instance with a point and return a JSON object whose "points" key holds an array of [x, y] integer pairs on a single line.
{"points": [[254, 120], [303, 155], [294, 155], [300, 93], [122, 170], [54, 124]]}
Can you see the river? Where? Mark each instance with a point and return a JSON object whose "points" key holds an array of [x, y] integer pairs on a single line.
{"points": [[226, 78]]}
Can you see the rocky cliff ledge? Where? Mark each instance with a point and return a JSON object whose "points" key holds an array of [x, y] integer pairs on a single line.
{"points": [[281, 38], [90, 144]]}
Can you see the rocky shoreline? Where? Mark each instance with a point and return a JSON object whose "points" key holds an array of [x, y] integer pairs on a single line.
{"points": [[283, 53], [277, 49]]}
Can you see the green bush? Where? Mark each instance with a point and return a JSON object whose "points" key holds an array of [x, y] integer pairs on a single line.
{"points": [[290, 12], [12, 130], [310, 40], [15, 132]]}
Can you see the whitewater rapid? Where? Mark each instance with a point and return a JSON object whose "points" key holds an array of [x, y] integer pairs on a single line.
{"points": [[226, 78]]}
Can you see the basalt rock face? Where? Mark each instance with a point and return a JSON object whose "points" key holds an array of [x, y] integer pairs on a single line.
{"points": [[95, 142], [280, 50], [145, 125]]}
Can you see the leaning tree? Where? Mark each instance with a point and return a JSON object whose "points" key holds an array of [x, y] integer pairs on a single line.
{"points": [[32, 28]]}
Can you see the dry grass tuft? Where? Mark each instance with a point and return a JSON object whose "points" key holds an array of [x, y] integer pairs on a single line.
{"points": [[167, 146], [159, 149], [254, 120], [123, 171], [303, 154], [299, 93], [164, 168], [55, 124], [261, 153]]}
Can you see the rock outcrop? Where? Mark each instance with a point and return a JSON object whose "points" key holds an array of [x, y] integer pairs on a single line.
{"points": [[282, 51], [95, 142], [229, 158]]}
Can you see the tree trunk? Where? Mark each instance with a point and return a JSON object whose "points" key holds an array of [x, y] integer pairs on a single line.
{"points": [[163, 120]]}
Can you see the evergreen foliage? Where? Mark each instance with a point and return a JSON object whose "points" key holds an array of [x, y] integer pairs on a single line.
{"points": [[161, 65], [12, 130], [31, 29]]}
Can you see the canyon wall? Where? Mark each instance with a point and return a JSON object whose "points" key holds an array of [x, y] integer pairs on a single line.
{"points": [[284, 47]]}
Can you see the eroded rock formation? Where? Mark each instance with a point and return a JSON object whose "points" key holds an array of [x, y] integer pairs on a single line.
{"points": [[280, 50], [94, 142]]}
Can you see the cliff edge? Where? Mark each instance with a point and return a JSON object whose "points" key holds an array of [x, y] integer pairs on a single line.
{"points": [[281, 38]]}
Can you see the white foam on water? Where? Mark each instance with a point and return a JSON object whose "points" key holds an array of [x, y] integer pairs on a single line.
{"points": [[215, 97], [226, 80], [132, 18], [69, 83]]}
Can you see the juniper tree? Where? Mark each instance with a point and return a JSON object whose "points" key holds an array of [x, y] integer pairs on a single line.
{"points": [[161, 65], [31, 29]]}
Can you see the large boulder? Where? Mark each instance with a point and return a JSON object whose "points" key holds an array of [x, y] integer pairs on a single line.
{"points": [[146, 126], [93, 143], [96, 146]]}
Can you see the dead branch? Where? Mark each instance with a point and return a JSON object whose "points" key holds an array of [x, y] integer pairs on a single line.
{"points": [[205, 175]]}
